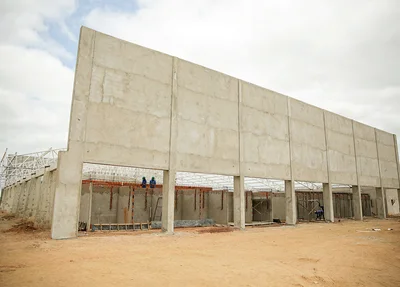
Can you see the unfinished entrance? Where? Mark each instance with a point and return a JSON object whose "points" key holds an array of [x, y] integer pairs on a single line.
{"points": [[261, 209]]}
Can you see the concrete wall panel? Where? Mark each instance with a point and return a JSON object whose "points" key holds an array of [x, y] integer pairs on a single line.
{"points": [[192, 77], [129, 105], [309, 158], [384, 138], [308, 163], [207, 121], [265, 133], [367, 158], [366, 148], [387, 159], [264, 100], [306, 113], [363, 131], [127, 57], [338, 123], [340, 146]]}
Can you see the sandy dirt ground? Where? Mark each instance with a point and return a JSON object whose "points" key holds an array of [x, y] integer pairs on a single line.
{"points": [[346, 253]]}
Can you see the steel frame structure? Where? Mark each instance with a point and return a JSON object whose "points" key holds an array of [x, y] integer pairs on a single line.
{"points": [[15, 167]]}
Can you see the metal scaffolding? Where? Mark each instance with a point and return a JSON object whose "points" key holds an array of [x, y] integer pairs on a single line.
{"points": [[14, 167]]}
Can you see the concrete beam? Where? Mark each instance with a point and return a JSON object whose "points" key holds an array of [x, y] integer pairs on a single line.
{"points": [[167, 218], [291, 208], [238, 202], [357, 207], [380, 202], [328, 202]]}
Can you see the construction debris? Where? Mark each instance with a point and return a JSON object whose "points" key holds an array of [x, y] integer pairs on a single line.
{"points": [[23, 226]]}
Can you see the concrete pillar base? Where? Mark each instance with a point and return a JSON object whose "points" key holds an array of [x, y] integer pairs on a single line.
{"points": [[328, 202], [291, 208], [357, 207], [380, 202], [238, 202], [167, 216]]}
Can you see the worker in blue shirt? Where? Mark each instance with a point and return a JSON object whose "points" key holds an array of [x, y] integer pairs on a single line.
{"points": [[152, 182], [144, 182]]}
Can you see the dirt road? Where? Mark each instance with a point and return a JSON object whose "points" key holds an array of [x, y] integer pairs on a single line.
{"points": [[317, 254]]}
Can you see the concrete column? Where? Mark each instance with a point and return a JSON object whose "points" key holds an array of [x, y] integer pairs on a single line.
{"points": [[357, 207], [271, 208], [90, 206], [398, 198], [386, 202], [168, 192], [290, 192], [396, 150], [327, 187], [238, 202], [380, 202], [291, 208], [328, 202], [67, 195], [380, 191]]}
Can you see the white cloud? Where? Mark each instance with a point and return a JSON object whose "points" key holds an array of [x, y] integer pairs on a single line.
{"points": [[22, 22], [35, 86], [339, 55], [35, 98]]}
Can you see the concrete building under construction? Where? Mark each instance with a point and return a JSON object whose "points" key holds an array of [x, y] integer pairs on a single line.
{"points": [[221, 149]]}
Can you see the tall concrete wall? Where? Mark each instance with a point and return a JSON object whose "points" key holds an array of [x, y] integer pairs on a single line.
{"points": [[125, 77], [137, 107]]}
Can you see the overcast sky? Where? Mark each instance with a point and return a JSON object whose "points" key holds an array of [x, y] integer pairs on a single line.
{"points": [[343, 56]]}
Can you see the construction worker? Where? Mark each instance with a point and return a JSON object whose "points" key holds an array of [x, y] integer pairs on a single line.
{"points": [[152, 182], [320, 213], [144, 182]]}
